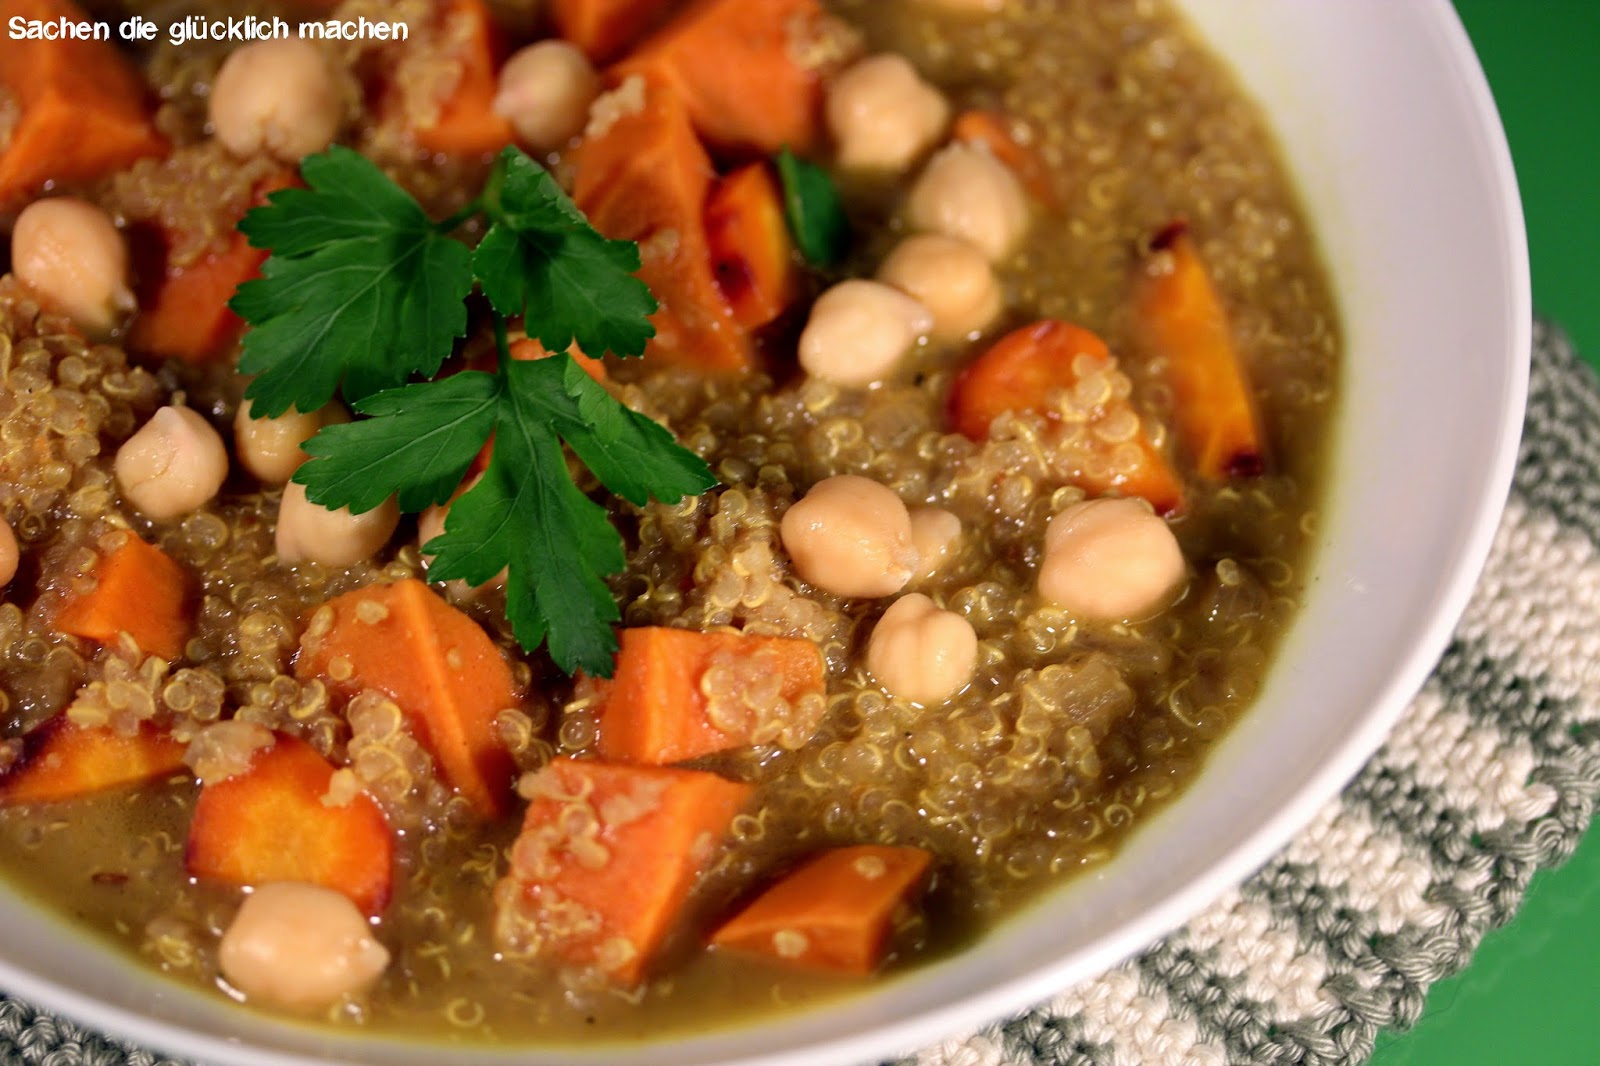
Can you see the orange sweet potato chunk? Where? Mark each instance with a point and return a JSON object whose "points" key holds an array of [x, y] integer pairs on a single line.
{"points": [[270, 823], [186, 314], [81, 111], [752, 253], [606, 859], [835, 912], [1024, 369], [603, 28], [739, 66], [138, 590], [61, 760], [183, 310], [654, 709], [1179, 319], [438, 666], [645, 177], [467, 124]]}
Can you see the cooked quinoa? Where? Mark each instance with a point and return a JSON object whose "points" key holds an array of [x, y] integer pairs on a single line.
{"points": [[1068, 735]]}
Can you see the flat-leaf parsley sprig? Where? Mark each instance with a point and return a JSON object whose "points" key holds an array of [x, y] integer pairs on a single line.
{"points": [[362, 292]]}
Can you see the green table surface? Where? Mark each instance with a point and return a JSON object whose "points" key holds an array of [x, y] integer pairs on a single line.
{"points": [[1532, 992]]}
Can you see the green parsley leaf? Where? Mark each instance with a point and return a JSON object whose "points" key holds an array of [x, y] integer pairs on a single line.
{"points": [[555, 542], [360, 292], [418, 443], [633, 456], [526, 514], [541, 259], [815, 212], [355, 264]]}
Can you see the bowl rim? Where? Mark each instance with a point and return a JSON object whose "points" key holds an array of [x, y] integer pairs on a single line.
{"points": [[1229, 869]]}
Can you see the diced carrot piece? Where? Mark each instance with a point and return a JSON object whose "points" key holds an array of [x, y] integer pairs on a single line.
{"points": [[529, 348], [61, 760], [604, 28], [739, 67], [272, 823], [992, 131], [80, 106], [467, 124], [607, 857], [835, 912], [138, 590], [1023, 370], [655, 708], [438, 666], [752, 253], [645, 178], [1180, 320]]}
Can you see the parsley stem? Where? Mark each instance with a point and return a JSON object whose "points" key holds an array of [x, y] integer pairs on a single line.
{"points": [[502, 342], [489, 200], [449, 225]]}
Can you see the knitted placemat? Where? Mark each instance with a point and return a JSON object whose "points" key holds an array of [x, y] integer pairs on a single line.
{"points": [[1489, 776]]}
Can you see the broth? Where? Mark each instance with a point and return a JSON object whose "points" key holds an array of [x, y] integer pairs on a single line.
{"points": [[1070, 732]]}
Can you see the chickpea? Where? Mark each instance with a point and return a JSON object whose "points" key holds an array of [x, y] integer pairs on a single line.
{"points": [[966, 192], [883, 115], [545, 93], [430, 524], [1111, 560], [71, 255], [850, 536], [308, 532], [300, 946], [952, 278], [174, 464], [276, 96], [10, 553], [270, 447], [859, 331], [920, 652], [935, 533]]}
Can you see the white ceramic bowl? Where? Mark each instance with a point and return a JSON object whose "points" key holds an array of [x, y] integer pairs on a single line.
{"points": [[1390, 131]]}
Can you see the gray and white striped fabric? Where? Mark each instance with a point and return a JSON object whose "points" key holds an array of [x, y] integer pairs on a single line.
{"points": [[1491, 775]]}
